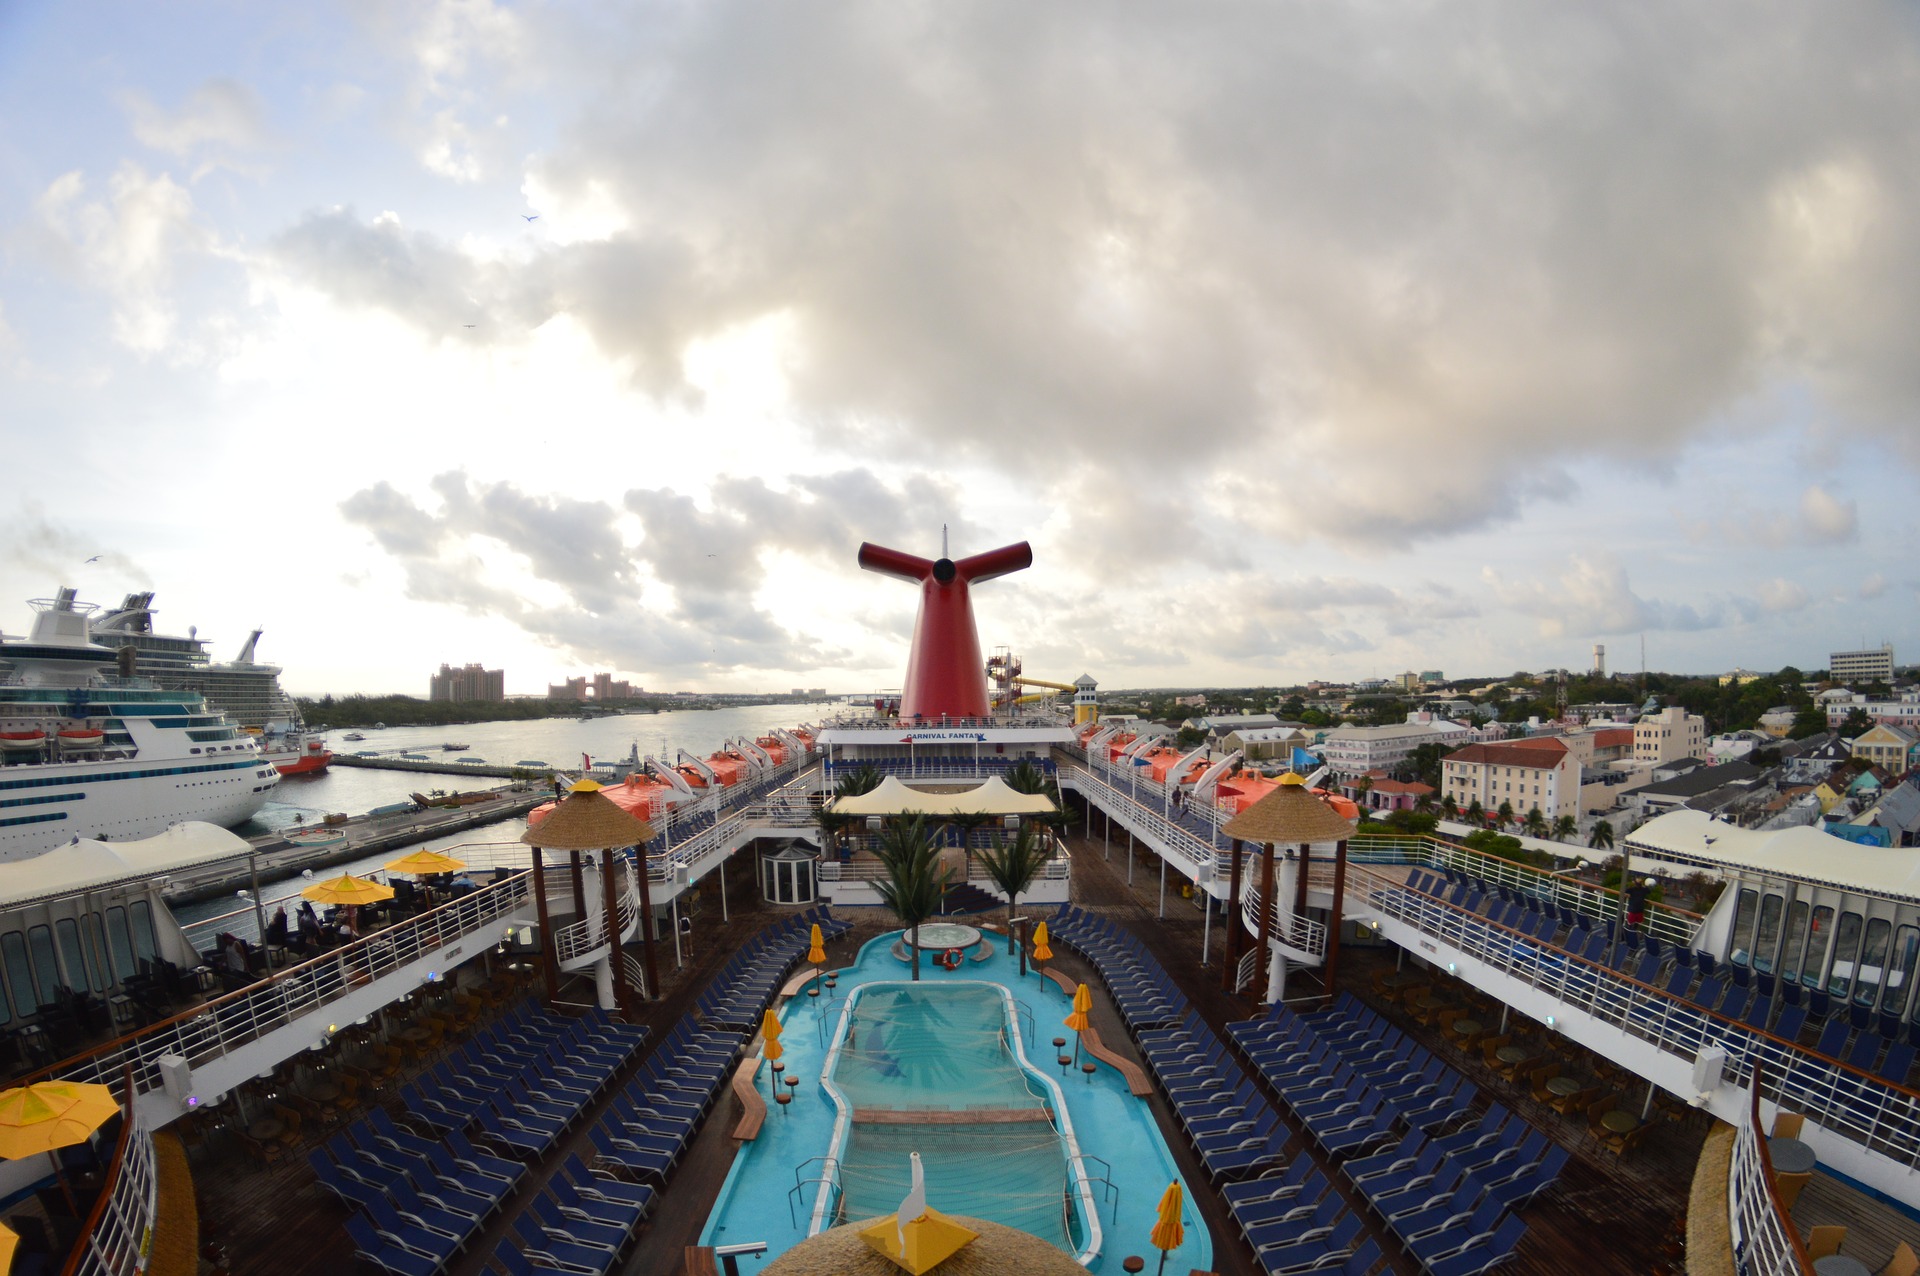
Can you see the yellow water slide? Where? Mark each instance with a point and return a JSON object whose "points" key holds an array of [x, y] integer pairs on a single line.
{"points": [[1041, 682]]}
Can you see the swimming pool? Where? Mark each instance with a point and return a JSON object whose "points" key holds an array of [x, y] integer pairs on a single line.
{"points": [[976, 1043]]}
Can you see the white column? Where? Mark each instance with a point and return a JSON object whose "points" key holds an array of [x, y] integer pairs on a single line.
{"points": [[1276, 976], [603, 983]]}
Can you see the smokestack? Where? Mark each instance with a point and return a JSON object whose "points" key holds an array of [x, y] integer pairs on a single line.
{"points": [[128, 655]]}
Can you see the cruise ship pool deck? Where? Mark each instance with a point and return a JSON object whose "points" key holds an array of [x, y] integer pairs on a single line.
{"points": [[931, 1067]]}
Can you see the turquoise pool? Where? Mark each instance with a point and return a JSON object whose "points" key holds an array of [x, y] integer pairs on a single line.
{"points": [[906, 1058]]}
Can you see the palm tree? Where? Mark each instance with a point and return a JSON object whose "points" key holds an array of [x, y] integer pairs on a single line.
{"points": [[1012, 866], [1602, 836], [831, 823], [1504, 816], [1423, 803], [1535, 823], [1449, 807], [854, 783], [1565, 827], [1476, 814], [965, 823], [916, 879]]}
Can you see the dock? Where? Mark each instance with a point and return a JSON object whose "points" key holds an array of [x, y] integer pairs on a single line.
{"points": [[432, 767]]}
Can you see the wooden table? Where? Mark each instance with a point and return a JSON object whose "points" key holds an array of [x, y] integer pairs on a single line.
{"points": [[1512, 1054], [1620, 1121], [1466, 1027], [1562, 1086], [323, 1091], [413, 1035], [1840, 1265], [265, 1129], [1790, 1156]]}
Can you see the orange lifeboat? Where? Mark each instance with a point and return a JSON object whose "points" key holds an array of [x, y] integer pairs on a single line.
{"points": [[22, 741], [82, 738]]}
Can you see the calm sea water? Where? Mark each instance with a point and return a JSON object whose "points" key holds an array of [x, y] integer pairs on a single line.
{"points": [[560, 741]]}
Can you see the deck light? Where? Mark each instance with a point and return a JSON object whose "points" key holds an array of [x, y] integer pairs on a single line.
{"points": [[1452, 969], [1549, 1021], [193, 1100]]}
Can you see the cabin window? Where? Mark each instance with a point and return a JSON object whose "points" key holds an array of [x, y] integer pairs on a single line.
{"points": [[1873, 962], [1796, 939], [13, 953], [1818, 937], [46, 971], [1769, 933], [144, 944], [1846, 947], [1743, 919], [1906, 950], [80, 972], [119, 945]]}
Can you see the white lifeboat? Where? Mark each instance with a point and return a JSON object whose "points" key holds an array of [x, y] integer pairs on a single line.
{"points": [[22, 741], [82, 738]]}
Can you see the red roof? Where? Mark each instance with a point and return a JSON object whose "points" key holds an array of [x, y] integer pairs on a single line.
{"points": [[1543, 753], [1612, 737], [1401, 786]]}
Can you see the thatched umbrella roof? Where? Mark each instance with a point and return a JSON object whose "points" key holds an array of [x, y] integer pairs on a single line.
{"points": [[587, 821], [998, 1251], [1289, 814]]}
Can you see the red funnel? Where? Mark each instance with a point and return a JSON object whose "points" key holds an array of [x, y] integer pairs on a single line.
{"points": [[945, 675]]}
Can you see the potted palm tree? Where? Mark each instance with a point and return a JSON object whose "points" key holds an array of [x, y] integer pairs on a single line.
{"points": [[1012, 866], [915, 879]]}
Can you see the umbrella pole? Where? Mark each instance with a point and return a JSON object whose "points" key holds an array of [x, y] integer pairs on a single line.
{"points": [[1163, 1264], [60, 1176]]}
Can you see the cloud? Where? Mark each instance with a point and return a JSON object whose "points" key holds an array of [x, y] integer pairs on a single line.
{"points": [[34, 544], [1827, 520], [1210, 249], [1593, 598], [1873, 586], [219, 119], [128, 244]]}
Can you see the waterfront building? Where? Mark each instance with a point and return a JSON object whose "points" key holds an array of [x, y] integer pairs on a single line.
{"points": [[1354, 751], [1537, 772], [467, 683], [1861, 666], [1668, 735]]}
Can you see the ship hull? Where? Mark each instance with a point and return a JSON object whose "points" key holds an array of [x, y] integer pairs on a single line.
{"points": [[305, 764], [126, 799]]}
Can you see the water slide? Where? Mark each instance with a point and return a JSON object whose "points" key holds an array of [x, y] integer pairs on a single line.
{"points": [[1041, 682]]}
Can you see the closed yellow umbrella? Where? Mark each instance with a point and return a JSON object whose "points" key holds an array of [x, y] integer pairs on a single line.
{"points": [[817, 950], [1078, 1021], [1040, 950], [425, 864], [349, 890], [1168, 1234], [770, 1047], [9, 1240]]}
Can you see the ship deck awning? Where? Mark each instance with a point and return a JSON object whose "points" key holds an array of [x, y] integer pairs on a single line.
{"points": [[891, 797], [90, 865], [1804, 853]]}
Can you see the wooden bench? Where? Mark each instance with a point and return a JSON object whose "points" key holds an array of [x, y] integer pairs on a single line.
{"points": [[798, 984], [1067, 986], [753, 1107], [1137, 1081], [699, 1260]]}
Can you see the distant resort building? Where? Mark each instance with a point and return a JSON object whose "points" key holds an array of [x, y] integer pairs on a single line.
{"points": [[467, 683]]}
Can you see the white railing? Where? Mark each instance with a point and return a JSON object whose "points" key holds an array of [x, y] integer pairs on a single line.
{"points": [[1290, 929], [121, 1241], [1880, 1115], [1764, 1240], [1058, 868], [1175, 840], [577, 941], [220, 1026]]}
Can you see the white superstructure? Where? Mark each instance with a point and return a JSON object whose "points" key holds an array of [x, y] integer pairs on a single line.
{"points": [[87, 755]]}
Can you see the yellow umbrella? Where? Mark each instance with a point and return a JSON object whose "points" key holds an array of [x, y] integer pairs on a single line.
{"points": [[770, 1047], [1078, 1021], [9, 1239], [425, 864], [1167, 1232], [1040, 950], [347, 889], [49, 1116], [817, 951]]}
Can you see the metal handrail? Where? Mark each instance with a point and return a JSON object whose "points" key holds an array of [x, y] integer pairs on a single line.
{"points": [[1290, 929], [1881, 1115], [1765, 1241], [120, 1238], [219, 1026], [577, 939]]}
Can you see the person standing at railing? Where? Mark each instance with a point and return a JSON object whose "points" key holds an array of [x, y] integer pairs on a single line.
{"points": [[1637, 903]]}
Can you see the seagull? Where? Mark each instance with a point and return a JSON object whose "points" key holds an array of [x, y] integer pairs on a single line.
{"points": [[466, 325], [94, 559], [532, 217]]}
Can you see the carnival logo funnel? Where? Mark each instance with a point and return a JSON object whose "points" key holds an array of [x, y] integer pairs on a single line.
{"points": [[945, 675]]}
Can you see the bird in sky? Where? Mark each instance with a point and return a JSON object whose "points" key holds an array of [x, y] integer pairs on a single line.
{"points": [[94, 559], [532, 217], [466, 325]]}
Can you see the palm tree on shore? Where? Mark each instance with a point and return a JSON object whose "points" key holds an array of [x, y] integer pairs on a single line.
{"points": [[1535, 823], [1565, 827], [1449, 807], [1503, 816], [1476, 814], [1013, 866], [916, 880], [1602, 836]]}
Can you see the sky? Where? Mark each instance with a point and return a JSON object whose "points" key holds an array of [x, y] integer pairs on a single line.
{"points": [[1302, 340]]}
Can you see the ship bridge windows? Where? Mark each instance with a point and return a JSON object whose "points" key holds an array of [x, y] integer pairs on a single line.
{"points": [[217, 733], [1767, 937], [1796, 940], [1814, 968], [1746, 912]]}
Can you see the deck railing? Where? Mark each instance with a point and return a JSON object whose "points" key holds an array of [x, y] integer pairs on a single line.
{"points": [[120, 1241], [1843, 1100], [1058, 868], [1765, 1242], [225, 1023], [575, 940]]}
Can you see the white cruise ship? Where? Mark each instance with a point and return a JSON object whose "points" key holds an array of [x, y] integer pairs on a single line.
{"points": [[85, 754]]}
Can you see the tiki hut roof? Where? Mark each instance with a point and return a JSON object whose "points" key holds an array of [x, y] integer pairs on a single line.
{"points": [[587, 821], [1289, 814]]}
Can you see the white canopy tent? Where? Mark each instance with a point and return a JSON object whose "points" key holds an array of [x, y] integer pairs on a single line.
{"points": [[1694, 837], [89, 865], [891, 797]]}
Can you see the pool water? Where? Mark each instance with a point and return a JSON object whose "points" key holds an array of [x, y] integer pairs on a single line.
{"points": [[916, 1050]]}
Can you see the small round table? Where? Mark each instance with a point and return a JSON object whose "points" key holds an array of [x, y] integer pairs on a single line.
{"points": [[783, 1099], [1058, 1042], [265, 1128], [1562, 1086], [1619, 1121], [323, 1091], [1088, 1068], [1065, 1063], [1840, 1265], [1466, 1027], [793, 1083], [1133, 1263], [1511, 1054], [1790, 1156]]}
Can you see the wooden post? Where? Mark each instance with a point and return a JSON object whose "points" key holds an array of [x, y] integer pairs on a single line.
{"points": [[549, 964], [607, 873], [579, 885], [1231, 965], [1333, 918], [646, 921], [1267, 905]]}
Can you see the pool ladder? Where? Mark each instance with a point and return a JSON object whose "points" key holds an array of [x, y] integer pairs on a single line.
{"points": [[799, 1195]]}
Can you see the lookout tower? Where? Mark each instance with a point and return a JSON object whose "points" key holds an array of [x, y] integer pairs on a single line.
{"points": [[1086, 700], [945, 676]]}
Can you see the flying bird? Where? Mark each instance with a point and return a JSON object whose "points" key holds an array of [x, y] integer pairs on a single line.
{"points": [[466, 325], [94, 559], [532, 217]]}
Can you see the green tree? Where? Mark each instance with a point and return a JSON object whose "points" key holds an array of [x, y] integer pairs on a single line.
{"points": [[864, 780], [1013, 866], [1424, 763], [1503, 816], [1536, 823], [1856, 723], [1565, 827], [916, 880], [1449, 807], [1189, 738], [1601, 837], [1476, 814], [1811, 720]]}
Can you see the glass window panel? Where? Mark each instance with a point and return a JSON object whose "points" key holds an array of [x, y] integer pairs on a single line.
{"points": [[119, 943], [1846, 946], [1743, 919], [1769, 933], [1906, 951], [13, 952], [46, 972], [1873, 960], [144, 943], [1796, 940], [68, 933], [1818, 938]]}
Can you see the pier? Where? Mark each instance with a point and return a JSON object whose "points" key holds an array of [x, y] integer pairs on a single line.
{"points": [[436, 767]]}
